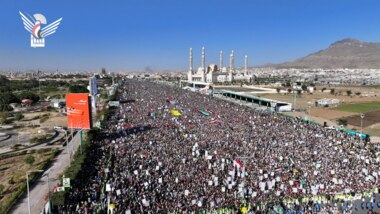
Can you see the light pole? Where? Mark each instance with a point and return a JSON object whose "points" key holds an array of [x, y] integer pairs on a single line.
{"points": [[48, 181], [67, 147], [361, 124], [27, 185]]}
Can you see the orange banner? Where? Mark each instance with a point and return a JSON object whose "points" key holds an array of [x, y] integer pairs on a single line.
{"points": [[78, 108]]}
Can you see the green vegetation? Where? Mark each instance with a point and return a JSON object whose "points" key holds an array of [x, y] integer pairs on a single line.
{"points": [[19, 116], [78, 89], [375, 86], [7, 204], [58, 198], [39, 139], [3, 117], [75, 172], [29, 160], [342, 121], [29, 95], [360, 107]]}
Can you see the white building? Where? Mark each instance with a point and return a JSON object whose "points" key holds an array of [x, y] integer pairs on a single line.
{"points": [[213, 74]]}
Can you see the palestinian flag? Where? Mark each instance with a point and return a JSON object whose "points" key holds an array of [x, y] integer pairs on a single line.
{"points": [[172, 101], [292, 160], [238, 164]]}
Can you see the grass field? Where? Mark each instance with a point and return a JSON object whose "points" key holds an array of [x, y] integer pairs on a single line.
{"points": [[375, 86], [359, 107]]}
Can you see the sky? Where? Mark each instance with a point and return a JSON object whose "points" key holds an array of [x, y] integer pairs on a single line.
{"points": [[139, 35]]}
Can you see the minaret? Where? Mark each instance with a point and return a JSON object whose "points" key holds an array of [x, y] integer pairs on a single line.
{"points": [[231, 66], [203, 65], [232, 61], [246, 65], [221, 61], [190, 72], [203, 58]]}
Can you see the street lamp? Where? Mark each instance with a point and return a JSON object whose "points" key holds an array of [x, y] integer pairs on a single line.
{"points": [[361, 123], [48, 181], [67, 146], [27, 185]]}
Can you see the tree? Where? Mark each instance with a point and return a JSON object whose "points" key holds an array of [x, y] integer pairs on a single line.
{"points": [[3, 117], [4, 84], [58, 198], [304, 87], [358, 93], [289, 90], [29, 95], [19, 116], [332, 91], [78, 89], [342, 121], [8, 97], [278, 90], [323, 89], [349, 92], [29, 159]]}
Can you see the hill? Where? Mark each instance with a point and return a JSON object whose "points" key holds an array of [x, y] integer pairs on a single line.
{"points": [[347, 53]]}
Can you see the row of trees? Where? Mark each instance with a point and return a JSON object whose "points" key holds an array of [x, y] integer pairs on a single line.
{"points": [[8, 98]]}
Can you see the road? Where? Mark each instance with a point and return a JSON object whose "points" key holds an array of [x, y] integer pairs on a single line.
{"points": [[39, 190]]}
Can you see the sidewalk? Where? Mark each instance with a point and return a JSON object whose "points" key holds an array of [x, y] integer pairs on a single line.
{"points": [[39, 191]]}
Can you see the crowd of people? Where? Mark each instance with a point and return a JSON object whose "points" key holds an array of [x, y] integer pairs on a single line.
{"points": [[168, 150]]}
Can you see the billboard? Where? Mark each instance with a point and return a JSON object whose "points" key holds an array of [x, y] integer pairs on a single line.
{"points": [[78, 111]]}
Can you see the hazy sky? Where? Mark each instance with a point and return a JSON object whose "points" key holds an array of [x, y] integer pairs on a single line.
{"points": [[130, 35]]}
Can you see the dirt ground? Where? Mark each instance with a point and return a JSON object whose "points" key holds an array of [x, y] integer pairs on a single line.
{"points": [[15, 168], [307, 100], [371, 123], [56, 119], [370, 119]]}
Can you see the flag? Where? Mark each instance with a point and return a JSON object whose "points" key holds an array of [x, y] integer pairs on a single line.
{"points": [[216, 122], [292, 160], [204, 112], [176, 113], [172, 101], [303, 182], [238, 164], [152, 114]]}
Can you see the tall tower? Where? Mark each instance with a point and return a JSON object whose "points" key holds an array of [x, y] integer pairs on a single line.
{"points": [[232, 61], [221, 60], [203, 58], [246, 65], [190, 72], [203, 78], [230, 78]]}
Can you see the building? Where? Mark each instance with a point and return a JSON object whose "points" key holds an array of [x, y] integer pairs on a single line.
{"points": [[213, 74], [327, 102]]}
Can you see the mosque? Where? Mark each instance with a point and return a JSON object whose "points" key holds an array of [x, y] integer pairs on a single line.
{"points": [[213, 74]]}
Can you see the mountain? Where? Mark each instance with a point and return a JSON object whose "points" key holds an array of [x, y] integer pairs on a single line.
{"points": [[347, 53]]}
